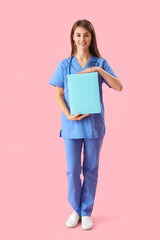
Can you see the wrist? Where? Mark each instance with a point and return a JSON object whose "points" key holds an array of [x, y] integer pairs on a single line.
{"points": [[99, 70], [68, 115]]}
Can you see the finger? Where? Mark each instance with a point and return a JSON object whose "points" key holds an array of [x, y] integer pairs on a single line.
{"points": [[74, 117], [84, 71], [81, 117], [85, 115], [77, 114]]}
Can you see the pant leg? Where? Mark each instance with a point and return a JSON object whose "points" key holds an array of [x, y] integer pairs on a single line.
{"points": [[92, 149], [73, 148]]}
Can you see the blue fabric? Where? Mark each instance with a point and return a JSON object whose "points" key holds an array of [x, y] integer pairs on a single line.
{"points": [[81, 196], [92, 126]]}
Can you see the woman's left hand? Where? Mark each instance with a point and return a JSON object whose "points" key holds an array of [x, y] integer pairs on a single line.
{"points": [[91, 69]]}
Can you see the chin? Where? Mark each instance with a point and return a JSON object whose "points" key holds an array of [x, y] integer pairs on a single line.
{"points": [[83, 46]]}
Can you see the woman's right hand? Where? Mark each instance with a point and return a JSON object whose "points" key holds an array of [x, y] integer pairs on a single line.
{"points": [[76, 117]]}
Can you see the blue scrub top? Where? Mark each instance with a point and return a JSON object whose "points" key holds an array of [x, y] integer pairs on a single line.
{"points": [[92, 126]]}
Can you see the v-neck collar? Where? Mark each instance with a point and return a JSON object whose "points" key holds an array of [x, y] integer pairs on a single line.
{"points": [[87, 64]]}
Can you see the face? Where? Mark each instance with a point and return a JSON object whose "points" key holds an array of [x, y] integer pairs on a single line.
{"points": [[82, 38]]}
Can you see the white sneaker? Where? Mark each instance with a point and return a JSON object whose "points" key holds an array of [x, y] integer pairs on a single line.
{"points": [[73, 220], [86, 222]]}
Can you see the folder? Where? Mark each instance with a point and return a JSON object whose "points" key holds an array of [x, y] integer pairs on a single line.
{"points": [[84, 93]]}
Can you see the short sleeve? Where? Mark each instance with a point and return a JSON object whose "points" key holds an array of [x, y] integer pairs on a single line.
{"points": [[57, 78], [108, 69]]}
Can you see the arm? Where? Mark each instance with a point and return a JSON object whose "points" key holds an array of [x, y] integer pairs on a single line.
{"points": [[112, 81], [59, 93]]}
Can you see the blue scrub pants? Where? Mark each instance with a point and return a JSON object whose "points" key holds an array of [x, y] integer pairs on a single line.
{"points": [[81, 196]]}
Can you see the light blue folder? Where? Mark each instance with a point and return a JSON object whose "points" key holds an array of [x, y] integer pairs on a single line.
{"points": [[84, 93]]}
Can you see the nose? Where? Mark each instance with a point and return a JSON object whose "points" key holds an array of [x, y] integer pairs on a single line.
{"points": [[82, 37]]}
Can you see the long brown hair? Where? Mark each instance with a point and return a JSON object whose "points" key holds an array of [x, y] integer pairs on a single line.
{"points": [[93, 46]]}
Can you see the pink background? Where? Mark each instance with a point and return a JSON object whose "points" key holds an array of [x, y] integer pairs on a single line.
{"points": [[35, 36]]}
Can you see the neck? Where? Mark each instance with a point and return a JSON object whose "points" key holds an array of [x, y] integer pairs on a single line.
{"points": [[83, 54]]}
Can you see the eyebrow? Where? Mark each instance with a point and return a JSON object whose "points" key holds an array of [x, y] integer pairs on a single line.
{"points": [[79, 33]]}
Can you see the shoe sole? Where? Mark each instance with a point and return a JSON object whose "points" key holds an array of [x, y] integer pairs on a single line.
{"points": [[87, 228]]}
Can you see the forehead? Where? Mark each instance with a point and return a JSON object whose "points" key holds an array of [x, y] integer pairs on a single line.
{"points": [[81, 30]]}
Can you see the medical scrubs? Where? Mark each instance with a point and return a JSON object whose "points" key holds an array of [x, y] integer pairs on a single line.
{"points": [[88, 132], [92, 126]]}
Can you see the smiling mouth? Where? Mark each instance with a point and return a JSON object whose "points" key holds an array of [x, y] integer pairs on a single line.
{"points": [[82, 44]]}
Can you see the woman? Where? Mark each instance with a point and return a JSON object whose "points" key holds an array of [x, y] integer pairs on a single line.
{"points": [[85, 130]]}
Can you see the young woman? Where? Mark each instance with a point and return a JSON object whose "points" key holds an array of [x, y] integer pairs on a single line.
{"points": [[86, 130]]}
